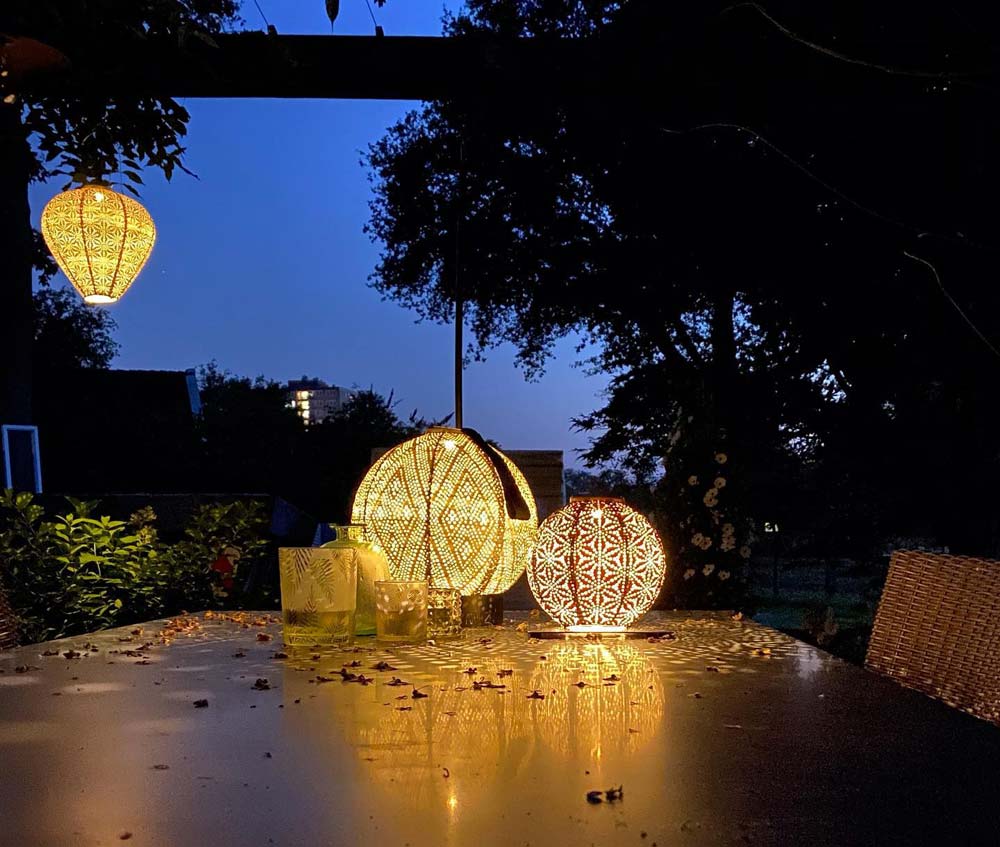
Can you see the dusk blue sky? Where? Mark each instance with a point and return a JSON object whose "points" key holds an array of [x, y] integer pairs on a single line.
{"points": [[261, 263]]}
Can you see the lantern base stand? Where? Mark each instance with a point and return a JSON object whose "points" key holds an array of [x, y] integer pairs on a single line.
{"points": [[482, 610], [597, 635]]}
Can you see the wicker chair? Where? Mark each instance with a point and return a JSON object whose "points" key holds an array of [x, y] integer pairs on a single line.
{"points": [[937, 629], [8, 624]]}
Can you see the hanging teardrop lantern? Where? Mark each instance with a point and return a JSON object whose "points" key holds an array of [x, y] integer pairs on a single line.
{"points": [[99, 238], [448, 508]]}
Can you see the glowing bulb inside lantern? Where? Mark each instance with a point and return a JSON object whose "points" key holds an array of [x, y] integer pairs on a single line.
{"points": [[448, 444], [99, 196], [597, 514]]}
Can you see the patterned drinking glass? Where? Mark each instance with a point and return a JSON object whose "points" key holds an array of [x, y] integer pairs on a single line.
{"points": [[444, 612], [318, 595], [401, 611]]}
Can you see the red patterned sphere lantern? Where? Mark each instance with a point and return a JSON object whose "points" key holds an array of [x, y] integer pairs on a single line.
{"points": [[597, 566]]}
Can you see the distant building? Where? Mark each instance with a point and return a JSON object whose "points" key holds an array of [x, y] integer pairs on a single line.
{"points": [[314, 401]]}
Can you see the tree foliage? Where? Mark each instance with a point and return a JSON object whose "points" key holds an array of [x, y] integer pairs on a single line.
{"points": [[95, 137], [747, 282], [69, 334]]}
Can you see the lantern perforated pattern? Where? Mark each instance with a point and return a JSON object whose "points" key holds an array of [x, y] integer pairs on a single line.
{"points": [[99, 238], [435, 504], [597, 563]]}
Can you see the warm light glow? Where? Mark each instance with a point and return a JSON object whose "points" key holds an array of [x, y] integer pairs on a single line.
{"points": [[597, 566], [99, 238], [442, 513]]}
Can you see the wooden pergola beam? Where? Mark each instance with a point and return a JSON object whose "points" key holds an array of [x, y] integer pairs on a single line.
{"points": [[714, 69]]}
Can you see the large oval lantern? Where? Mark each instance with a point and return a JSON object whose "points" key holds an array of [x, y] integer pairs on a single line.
{"points": [[99, 238], [447, 507], [598, 565]]}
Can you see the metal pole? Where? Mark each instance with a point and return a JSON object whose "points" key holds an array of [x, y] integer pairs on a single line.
{"points": [[459, 301], [459, 310]]}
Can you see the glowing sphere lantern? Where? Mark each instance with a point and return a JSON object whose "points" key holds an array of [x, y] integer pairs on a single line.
{"points": [[99, 238], [449, 508], [597, 566]]}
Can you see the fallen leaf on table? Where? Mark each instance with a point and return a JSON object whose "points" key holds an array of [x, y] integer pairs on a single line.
{"points": [[355, 664], [712, 669], [613, 794], [25, 668], [613, 678], [522, 627], [280, 655], [536, 695], [201, 704], [445, 773], [470, 671], [505, 672], [404, 708], [263, 636], [383, 666], [595, 797], [580, 684], [418, 694], [239, 655], [125, 836], [261, 685], [397, 681], [51, 653]]}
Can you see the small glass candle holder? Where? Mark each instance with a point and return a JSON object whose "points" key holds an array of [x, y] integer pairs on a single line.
{"points": [[318, 595], [444, 612], [401, 611]]}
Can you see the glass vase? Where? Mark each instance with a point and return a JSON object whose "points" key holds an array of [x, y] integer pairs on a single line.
{"points": [[319, 590], [401, 611], [372, 567]]}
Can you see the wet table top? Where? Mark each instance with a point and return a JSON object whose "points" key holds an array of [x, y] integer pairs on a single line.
{"points": [[731, 733]]}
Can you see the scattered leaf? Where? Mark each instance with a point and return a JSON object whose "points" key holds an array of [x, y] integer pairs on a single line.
{"points": [[239, 655], [445, 773], [595, 797], [397, 681], [418, 694], [505, 672], [263, 636], [261, 684], [471, 671], [536, 695], [201, 704], [614, 794], [280, 655], [382, 666]]}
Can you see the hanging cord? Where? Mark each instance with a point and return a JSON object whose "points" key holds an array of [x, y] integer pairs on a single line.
{"points": [[267, 23], [949, 76], [937, 278], [866, 210], [379, 32]]}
